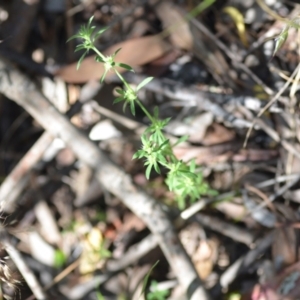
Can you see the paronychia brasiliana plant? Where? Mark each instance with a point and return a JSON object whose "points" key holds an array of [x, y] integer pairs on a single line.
{"points": [[184, 179]]}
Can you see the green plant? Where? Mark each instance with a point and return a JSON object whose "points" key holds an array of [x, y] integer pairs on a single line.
{"points": [[185, 180], [155, 293], [282, 37], [59, 258]]}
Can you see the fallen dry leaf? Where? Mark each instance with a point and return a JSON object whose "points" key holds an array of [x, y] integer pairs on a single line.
{"points": [[135, 52], [175, 25]]}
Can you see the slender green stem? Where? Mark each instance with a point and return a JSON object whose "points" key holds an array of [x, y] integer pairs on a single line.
{"points": [[127, 86], [122, 79], [137, 101], [98, 52], [141, 105]]}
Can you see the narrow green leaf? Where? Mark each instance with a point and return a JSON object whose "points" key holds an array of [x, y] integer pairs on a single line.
{"points": [[146, 279], [148, 171], [90, 21], [163, 144], [144, 138], [103, 76], [116, 52], [80, 47], [99, 59], [280, 40], [119, 91], [132, 108], [192, 166], [166, 121], [156, 168], [124, 66], [181, 140], [200, 8], [136, 155], [161, 158], [117, 100], [80, 60], [101, 31], [144, 82], [75, 36], [124, 106]]}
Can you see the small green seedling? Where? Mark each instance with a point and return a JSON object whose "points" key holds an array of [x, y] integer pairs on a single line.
{"points": [[185, 180], [155, 293], [59, 258]]}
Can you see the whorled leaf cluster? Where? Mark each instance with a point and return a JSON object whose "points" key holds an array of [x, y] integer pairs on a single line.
{"points": [[185, 180]]}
